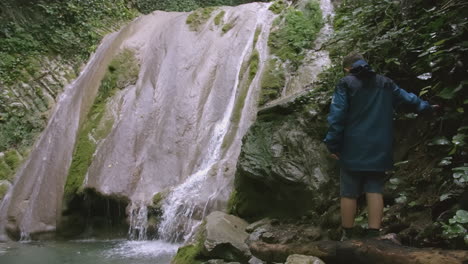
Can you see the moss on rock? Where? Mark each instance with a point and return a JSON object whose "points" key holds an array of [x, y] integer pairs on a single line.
{"points": [[198, 17], [13, 159], [192, 253], [158, 198], [278, 6], [282, 165], [228, 26], [188, 255], [294, 31], [218, 20], [258, 30], [273, 81], [254, 63], [122, 71]]}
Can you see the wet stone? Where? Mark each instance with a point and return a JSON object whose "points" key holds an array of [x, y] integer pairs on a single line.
{"points": [[302, 259]]}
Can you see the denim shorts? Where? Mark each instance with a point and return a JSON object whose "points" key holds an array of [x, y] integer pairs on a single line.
{"points": [[354, 183]]}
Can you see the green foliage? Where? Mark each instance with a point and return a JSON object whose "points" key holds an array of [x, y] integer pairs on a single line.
{"points": [[8, 164], [19, 129], [5, 171], [433, 36], [456, 228], [198, 17], [460, 175], [12, 158], [71, 29], [3, 190], [122, 71], [148, 6], [296, 32], [278, 6], [422, 46], [218, 20], [32, 31]]}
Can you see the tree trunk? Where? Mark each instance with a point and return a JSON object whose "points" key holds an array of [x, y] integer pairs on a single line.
{"points": [[359, 252]]}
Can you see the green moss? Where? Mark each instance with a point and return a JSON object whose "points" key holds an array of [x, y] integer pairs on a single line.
{"points": [[296, 31], [278, 6], [258, 191], [13, 159], [187, 255], [5, 171], [218, 20], [198, 17], [193, 253], [240, 102], [273, 81], [228, 26], [257, 33], [158, 198], [232, 203], [122, 71], [253, 62]]}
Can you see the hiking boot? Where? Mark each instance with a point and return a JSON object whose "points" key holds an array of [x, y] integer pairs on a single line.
{"points": [[372, 233], [348, 234]]}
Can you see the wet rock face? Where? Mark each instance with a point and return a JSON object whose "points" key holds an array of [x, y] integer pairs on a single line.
{"points": [[283, 164]]}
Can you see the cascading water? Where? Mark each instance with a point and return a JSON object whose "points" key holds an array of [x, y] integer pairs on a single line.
{"points": [[178, 127], [177, 130], [138, 221]]}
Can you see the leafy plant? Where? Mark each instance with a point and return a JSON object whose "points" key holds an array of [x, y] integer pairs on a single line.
{"points": [[456, 228], [295, 32]]}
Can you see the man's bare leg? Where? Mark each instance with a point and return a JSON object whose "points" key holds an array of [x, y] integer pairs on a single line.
{"points": [[348, 212], [375, 206]]}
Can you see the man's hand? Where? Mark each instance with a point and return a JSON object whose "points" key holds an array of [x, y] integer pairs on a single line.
{"points": [[335, 156]]}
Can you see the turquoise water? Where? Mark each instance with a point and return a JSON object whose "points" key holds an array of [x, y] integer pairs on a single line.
{"points": [[87, 252]]}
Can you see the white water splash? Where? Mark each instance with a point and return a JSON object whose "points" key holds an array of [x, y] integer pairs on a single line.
{"points": [[142, 249]]}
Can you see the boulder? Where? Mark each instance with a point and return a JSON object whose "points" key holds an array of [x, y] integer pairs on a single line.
{"points": [[283, 166], [225, 237], [303, 259]]}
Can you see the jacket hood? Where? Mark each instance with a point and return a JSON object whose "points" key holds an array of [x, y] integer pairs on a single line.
{"points": [[362, 69]]}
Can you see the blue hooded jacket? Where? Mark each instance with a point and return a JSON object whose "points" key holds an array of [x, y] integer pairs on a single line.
{"points": [[361, 119]]}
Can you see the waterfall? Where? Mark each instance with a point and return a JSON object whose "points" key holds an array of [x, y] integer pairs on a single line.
{"points": [[34, 202], [138, 222], [177, 130]]}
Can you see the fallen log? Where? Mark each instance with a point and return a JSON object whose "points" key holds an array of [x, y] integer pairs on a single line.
{"points": [[370, 251]]}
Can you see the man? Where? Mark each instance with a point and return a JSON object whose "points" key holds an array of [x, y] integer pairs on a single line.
{"points": [[360, 137]]}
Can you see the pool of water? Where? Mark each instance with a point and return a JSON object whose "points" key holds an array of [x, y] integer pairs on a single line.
{"points": [[87, 252]]}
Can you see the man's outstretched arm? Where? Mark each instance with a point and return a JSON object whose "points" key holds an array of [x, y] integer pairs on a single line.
{"points": [[401, 96]]}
